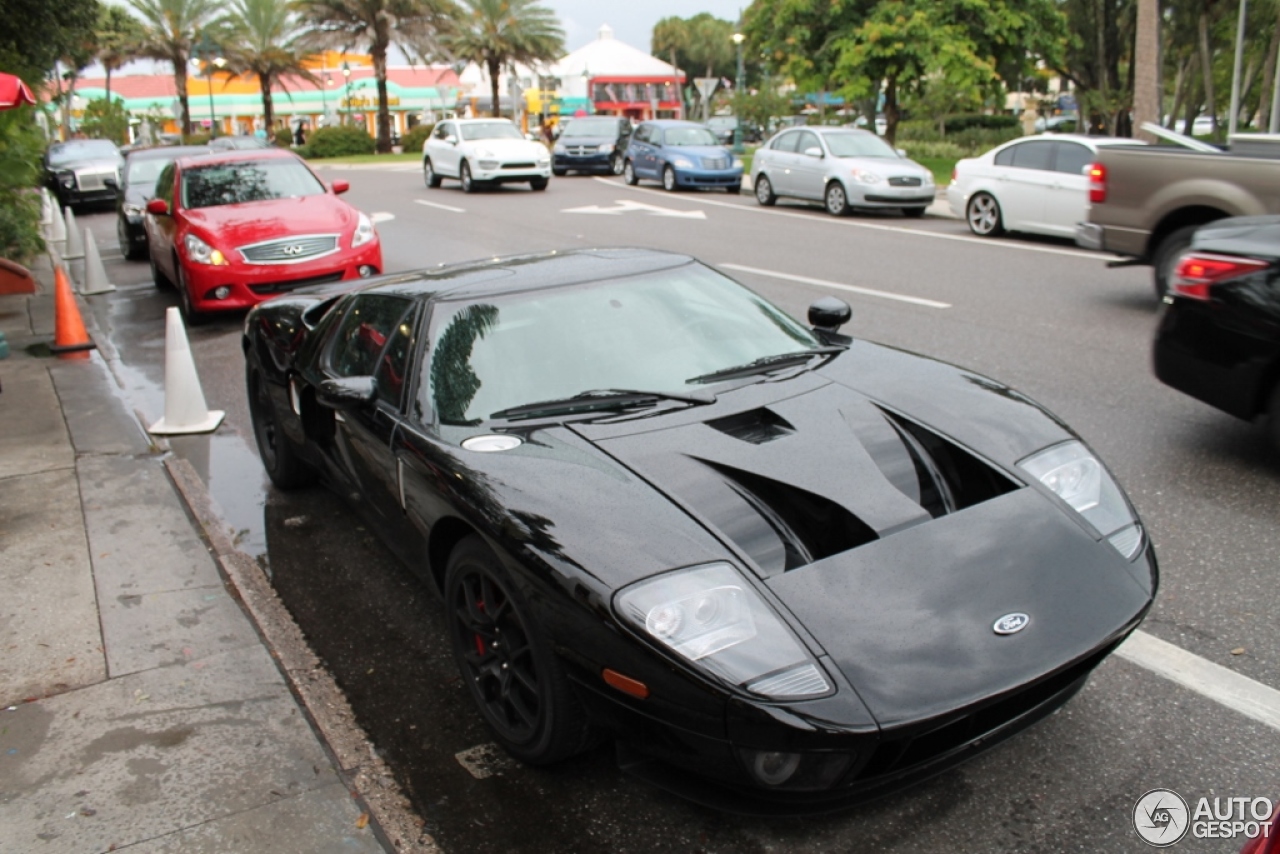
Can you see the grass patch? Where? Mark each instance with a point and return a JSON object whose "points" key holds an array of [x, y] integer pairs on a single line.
{"points": [[356, 159], [941, 168]]}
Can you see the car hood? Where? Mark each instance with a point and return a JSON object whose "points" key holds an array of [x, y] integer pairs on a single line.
{"points": [[699, 150], [96, 163], [586, 140], [252, 222], [889, 168], [507, 147]]}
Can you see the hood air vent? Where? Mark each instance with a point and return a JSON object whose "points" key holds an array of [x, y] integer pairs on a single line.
{"points": [[949, 478], [757, 426]]}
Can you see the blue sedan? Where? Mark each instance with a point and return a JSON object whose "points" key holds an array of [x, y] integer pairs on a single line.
{"points": [[680, 154]]}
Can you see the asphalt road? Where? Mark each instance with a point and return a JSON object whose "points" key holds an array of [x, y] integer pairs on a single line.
{"points": [[1040, 315]]}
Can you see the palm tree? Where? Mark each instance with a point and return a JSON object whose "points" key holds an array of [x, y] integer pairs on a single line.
{"points": [[119, 34], [497, 33], [415, 26], [169, 29], [266, 46]]}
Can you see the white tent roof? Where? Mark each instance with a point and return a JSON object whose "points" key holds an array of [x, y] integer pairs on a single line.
{"points": [[608, 57]]}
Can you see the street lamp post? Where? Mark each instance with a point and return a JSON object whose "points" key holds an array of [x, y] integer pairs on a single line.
{"points": [[738, 39], [346, 74]]}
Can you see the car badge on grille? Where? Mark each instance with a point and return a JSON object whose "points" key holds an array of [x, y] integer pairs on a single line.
{"points": [[1011, 624], [295, 249]]}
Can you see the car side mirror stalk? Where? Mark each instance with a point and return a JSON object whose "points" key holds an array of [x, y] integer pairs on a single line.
{"points": [[158, 207], [346, 392], [828, 314]]}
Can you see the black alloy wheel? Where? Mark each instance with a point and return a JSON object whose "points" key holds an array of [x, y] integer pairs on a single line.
{"points": [[629, 174], [519, 686], [279, 457], [429, 176]]}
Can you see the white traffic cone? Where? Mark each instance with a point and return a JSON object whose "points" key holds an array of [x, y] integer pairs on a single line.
{"points": [[46, 211], [75, 242], [184, 408], [57, 227], [95, 273]]}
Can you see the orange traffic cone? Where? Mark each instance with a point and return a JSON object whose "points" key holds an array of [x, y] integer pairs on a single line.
{"points": [[69, 333]]}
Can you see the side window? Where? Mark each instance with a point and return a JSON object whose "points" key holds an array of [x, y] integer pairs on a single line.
{"points": [[1034, 155], [164, 184], [1072, 158], [1004, 157], [363, 334], [394, 364], [443, 130], [787, 142], [808, 139]]}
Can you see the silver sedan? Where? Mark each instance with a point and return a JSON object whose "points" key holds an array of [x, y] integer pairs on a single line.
{"points": [[841, 167]]}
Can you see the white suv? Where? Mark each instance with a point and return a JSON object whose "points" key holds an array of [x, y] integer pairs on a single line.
{"points": [[484, 151]]}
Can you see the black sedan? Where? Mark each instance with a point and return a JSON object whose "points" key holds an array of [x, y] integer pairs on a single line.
{"points": [[83, 171], [1219, 334], [784, 569], [137, 187]]}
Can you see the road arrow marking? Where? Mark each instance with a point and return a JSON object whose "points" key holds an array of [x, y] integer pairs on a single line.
{"points": [[628, 205]]}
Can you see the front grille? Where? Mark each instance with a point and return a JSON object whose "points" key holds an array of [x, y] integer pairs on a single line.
{"points": [[520, 165], [715, 163], [580, 150], [281, 287], [89, 181], [905, 181], [290, 250]]}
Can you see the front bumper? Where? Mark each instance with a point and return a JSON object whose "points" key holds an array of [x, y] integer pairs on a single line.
{"points": [[250, 284], [1089, 236], [709, 177], [888, 196], [597, 162], [509, 173]]}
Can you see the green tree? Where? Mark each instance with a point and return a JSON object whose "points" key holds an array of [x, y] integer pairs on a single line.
{"points": [[701, 45], [498, 33], [118, 35], [170, 30], [106, 118], [415, 26], [266, 43], [37, 33]]}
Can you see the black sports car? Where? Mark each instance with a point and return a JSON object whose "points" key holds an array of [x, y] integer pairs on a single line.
{"points": [[1219, 333], [137, 187], [806, 568]]}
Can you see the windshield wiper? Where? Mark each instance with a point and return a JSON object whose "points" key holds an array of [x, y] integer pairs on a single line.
{"points": [[765, 364], [600, 399]]}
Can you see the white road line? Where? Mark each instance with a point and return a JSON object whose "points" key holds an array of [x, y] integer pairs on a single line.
{"points": [[853, 223], [440, 206], [805, 280], [381, 216], [1246, 696]]}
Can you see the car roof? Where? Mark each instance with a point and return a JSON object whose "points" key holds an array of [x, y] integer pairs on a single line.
{"points": [[172, 152], [529, 272], [212, 158], [481, 119], [674, 123]]}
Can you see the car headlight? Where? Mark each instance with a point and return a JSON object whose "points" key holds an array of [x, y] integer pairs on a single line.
{"points": [[681, 162], [559, 148], [1071, 472], [131, 210], [605, 147], [201, 252], [926, 177], [713, 619], [485, 153], [866, 177], [364, 232]]}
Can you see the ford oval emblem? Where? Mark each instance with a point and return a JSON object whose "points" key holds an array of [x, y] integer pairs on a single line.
{"points": [[1010, 624]]}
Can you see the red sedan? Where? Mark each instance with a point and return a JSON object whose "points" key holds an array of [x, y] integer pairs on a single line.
{"points": [[231, 230]]}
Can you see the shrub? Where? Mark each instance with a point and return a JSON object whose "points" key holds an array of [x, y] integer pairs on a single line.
{"points": [[955, 124], [340, 141], [413, 140], [917, 149], [20, 147], [284, 137], [196, 139]]}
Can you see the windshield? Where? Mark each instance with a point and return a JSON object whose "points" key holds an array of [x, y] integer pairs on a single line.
{"points": [[655, 332], [247, 181], [82, 149], [858, 145], [490, 130], [146, 170], [690, 136], [590, 127]]}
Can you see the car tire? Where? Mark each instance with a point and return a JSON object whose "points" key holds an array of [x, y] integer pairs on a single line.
{"points": [[559, 173], [983, 215], [158, 278], [764, 190], [1166, 255], [279, 456], [538, 183], [469, 184], [913, 213], [188, 305], [669, 179], [518, 685], [629, 174], [429, 175], [734, 190], [127, 248], [615, 164], [835, 200], [1273, 418]]}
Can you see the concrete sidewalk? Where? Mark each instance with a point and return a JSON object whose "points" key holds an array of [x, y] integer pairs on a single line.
{"points": [[140, 708]]}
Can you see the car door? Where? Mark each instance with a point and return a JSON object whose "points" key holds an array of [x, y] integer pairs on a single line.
{"points": [[374, 339], [808, 170], [1067, 200], [781, 161], [162, 228], [444, 154], [1023, 183], [644, 157]]}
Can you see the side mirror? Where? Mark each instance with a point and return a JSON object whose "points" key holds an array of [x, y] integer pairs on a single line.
{"points": [[340, 187], [828, 314], [159, 207], [346, 392], [451, 139], [813, 152], [902, 152]]}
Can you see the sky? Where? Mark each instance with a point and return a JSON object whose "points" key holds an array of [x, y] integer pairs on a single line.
{"points": [[632, 20]]}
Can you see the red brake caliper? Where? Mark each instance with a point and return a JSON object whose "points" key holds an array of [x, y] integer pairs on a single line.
{"points": [[479, 639]]}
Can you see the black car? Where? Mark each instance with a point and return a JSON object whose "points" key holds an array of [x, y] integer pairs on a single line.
{"points": [[591, 144], [1218, 339], [783, 568], [82, 171], [137, 186]]}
